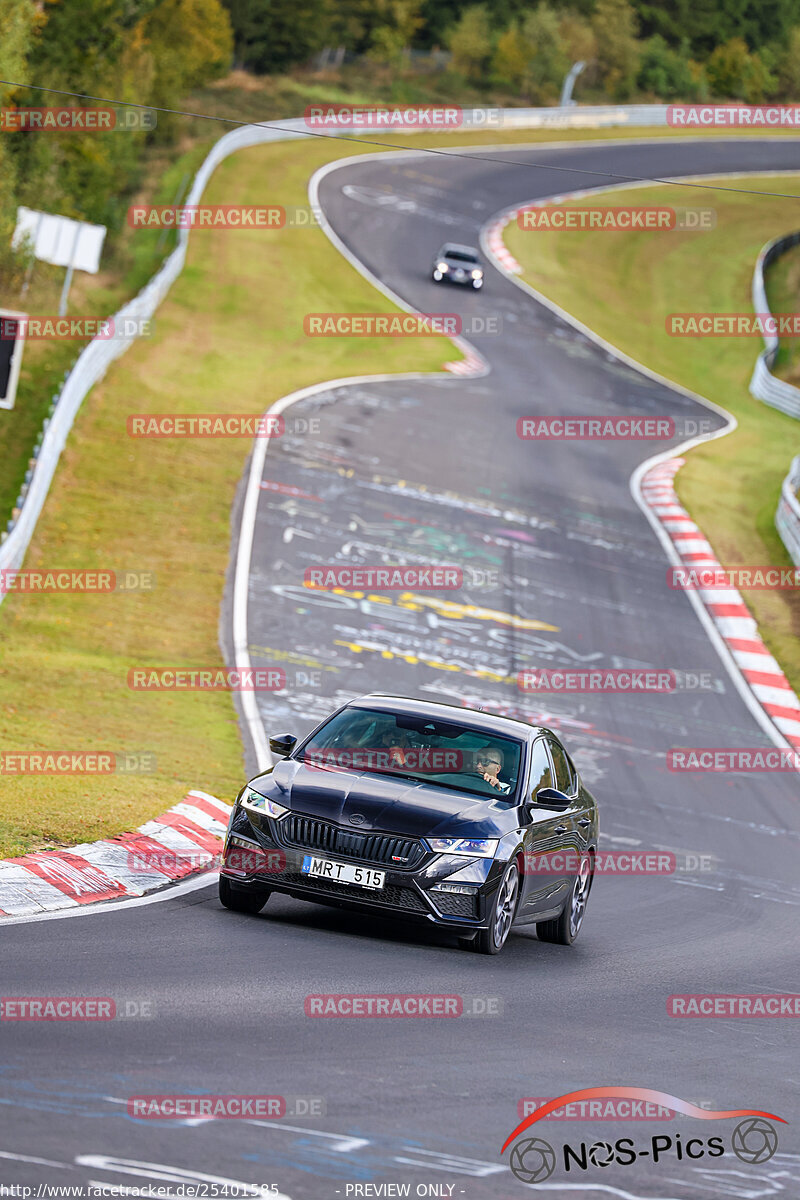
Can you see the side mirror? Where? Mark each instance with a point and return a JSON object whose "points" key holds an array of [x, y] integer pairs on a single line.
{"points": [[551, 798], [283, 744]]}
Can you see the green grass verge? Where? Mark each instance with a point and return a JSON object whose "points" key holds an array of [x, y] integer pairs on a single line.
{"points": [[623, 285]]}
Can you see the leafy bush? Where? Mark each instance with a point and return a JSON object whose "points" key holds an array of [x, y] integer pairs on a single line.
{"points": [[615, 27], [470, 43], [736, 74], [668, 73]]}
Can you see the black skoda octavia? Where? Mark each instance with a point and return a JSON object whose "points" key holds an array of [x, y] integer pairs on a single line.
{"points": [[472, 822]]}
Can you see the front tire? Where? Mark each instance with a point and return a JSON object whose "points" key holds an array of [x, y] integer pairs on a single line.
{"points": [[240, 901], [566, 927], [504, 907]]}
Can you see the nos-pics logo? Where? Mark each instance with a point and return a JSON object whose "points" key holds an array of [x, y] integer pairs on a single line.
{"points": [[533, 1159]]}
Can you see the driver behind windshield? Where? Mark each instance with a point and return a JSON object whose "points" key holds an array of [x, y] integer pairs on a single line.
{"points": [[488, 764], [397, 742]]}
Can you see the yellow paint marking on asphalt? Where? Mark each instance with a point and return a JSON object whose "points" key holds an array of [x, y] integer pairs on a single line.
{"points": [[414, 659], [449, 608]]}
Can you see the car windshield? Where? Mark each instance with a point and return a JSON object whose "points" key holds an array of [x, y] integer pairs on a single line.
{"points": [[427, 750], [459, 255]]}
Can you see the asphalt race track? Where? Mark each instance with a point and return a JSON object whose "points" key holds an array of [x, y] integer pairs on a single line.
{"points": [[561, 569]]}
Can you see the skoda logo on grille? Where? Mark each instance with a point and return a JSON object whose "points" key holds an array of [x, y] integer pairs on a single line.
{"points": [[357, 819]]}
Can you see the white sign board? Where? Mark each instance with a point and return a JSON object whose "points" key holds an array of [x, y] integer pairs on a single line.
{"points": [[12, 341], [60, 240]]}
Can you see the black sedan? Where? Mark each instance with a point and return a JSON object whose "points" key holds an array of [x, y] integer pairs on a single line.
{"points": [[471, 822], [458, 264]]}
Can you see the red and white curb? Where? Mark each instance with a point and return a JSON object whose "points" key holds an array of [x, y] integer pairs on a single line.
{"points": [[494, 239], [473, 364], [182, 841], [726, 608]]}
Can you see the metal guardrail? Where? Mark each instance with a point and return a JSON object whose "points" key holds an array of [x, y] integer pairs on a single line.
{"points": [[97, 356], [779, 394], [763, 384], [594, 116], [787, 517]]}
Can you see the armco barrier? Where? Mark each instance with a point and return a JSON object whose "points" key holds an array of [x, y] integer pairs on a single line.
{"points": [[98, 355], [764, 385], [787, 518]]}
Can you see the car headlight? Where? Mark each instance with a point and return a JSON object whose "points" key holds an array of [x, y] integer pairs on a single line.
{"points": [[260, 804], [477, 274], [442, 267], [471, 847]]}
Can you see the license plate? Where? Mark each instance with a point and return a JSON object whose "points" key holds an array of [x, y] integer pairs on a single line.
{"points": [[338, 872], [459, 274]]}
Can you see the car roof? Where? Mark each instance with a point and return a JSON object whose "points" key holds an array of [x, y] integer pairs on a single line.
{"points": [[473, 718], [448, 247]]}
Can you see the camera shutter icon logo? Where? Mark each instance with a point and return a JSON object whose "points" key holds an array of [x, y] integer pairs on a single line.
{"points": [[533, 1160], [754, 1141]]}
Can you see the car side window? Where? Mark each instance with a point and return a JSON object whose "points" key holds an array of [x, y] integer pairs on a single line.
{"points": [[564, 780], [541, 774]]}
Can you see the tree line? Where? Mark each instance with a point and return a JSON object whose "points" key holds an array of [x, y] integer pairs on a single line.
{"points": [[151, 52], [692, 49]]}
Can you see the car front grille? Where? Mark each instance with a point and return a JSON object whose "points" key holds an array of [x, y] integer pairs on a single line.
{"points": [[389, 897], [401, 854]]}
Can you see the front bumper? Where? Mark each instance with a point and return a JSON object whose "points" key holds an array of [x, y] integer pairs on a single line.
{"points": [[464, 281], [405, 894]]}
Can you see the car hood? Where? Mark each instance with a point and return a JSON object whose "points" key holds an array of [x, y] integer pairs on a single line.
{"points": [[381, 803]]}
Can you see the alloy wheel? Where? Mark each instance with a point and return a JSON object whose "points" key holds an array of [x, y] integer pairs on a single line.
{"points": [[506, 904], [580, 894]]}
